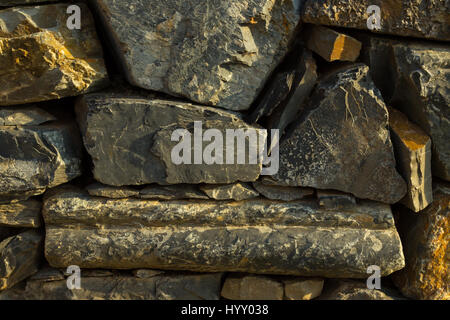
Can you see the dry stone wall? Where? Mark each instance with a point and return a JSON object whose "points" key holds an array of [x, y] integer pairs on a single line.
{"points": [[237, 149]]}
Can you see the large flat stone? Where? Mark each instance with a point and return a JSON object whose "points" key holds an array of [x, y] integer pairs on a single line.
{"points": [[34, 158], [256, 236], [218, 52], [42, 59], [426, 243], [129, 139], [414, 18], [342, 142], [414, 77], [20, 257]]}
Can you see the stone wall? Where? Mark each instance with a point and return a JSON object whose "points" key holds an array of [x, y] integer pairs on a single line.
{"points": [[224, 149]]}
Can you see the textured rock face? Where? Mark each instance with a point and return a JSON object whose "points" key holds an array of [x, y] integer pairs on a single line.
{"points": [[417, 83], [41, 59], [19, 258], [252, 288], [259, 236], [342, 141], [332, 45], [426, 239], [413, 153], [236, 191], [24, 214], [30, 116], [33, 158], [415, 18], [122, 287], [212, 52], [129, 140]]}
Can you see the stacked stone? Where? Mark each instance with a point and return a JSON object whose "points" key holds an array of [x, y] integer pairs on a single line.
{"points": [[363, 122]]}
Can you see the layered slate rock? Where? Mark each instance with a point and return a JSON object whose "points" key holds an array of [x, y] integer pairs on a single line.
{"points": [[414, 18], [332, 45], [282, 193], [415, 78], [426, 243], [236, 191], [25, 116], [34, 158], [129, 138], [257, 236], [42, 59], [413, 154], [23, 214], [342, 140], [20, 257], [120, 286], [216, 53]]}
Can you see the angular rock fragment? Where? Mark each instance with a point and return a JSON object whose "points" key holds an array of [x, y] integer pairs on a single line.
{"points": [[426, 243], [25, 214], [337, 289], [342, 140], [35, 158], [42, 59], [414, 18], [282, 193], [251, 287], [216, 53], [332, 45], [413, 154], [175, 192], [19, 258], [255, 236], [237, 191], [334, 199], [302, 288], [415, 79], [27, 116], [121, 287], [129, 138]]}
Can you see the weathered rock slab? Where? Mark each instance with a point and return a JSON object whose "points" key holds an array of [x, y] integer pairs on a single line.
{"points": [[236, 191], [414, 18], [25, 214], [25, 116], [20, 257], [216, 53], [342, 140], [129, 138], [255, 236], [426, 242], [42, 59], [34, 158]]}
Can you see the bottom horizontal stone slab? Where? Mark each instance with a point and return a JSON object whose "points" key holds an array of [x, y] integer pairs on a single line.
{"points": [[255, 236]]}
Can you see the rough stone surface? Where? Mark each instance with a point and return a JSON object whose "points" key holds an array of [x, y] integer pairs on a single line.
{"points": [[25, 116], [415, 78], [216, 52], [101, 190], [122, 287], [414, 18], [342, 141], [236, 191], [282, 193], [26, 214], [331, 199], [256, 236], [129, 140], [355, 290], [250, 287], [426, 239], [302, 289], [413, 154], [19, 258], [41, 59], [332, 45], [37, 157]]}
